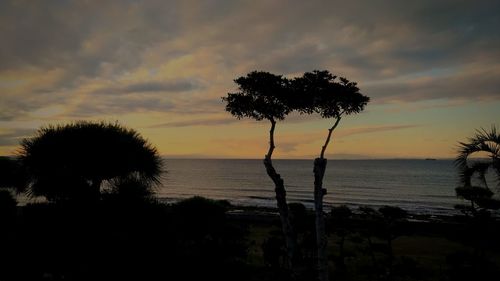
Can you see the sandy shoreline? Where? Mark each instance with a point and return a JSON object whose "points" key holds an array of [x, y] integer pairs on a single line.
{"points": [[270, 214]]}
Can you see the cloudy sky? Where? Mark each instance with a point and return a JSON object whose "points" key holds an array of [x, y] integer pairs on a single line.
{"points": [[431, 68]]}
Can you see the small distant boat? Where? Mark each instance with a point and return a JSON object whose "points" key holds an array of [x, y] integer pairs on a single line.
{"points": [[431, 159]]}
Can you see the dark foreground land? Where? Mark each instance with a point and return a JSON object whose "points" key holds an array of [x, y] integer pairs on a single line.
{"points": [[200, 239]]}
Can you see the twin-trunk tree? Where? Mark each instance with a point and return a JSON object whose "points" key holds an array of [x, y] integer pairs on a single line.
{"points": [[264, 95]]}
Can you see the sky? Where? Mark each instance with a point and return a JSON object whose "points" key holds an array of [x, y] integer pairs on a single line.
{"points": [[431, 69]]}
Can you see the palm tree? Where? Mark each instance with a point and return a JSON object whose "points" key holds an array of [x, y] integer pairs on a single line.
{"points": [[72, 161], [484, 144]]}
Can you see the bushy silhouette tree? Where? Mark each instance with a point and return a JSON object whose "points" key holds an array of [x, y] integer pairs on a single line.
{"points": [[321, 92], [129, 191], [470, 166], [72, 161], [265, 96]]}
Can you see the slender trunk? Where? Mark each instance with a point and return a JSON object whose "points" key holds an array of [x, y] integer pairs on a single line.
{"points": [[330, 131], [319, 193], [321, 238], [279, 189]]}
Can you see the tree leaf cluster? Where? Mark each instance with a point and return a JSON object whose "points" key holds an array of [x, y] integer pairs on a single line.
{"points": [[263, 95]]}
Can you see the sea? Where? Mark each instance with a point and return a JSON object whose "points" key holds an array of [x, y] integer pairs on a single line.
{"points": [[419, 186]]}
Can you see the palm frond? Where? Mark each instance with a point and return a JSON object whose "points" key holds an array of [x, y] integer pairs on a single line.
{"points": [[483, 141]]}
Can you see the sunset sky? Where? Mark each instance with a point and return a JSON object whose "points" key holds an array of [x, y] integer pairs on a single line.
{"points": [[431, 69]]}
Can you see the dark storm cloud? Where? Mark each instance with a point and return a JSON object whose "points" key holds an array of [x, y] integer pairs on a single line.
{"points": [[377, 43], [83, 35], [79, 35], [370, 36], [478, 85], [371, 41]]}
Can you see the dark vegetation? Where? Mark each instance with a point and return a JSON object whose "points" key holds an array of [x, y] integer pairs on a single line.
{"points": [[76, 161], [116, 241], [389, 244], [108, 225], [204, 239]]}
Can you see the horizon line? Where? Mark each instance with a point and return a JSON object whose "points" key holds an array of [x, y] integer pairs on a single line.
{"points": [[171, 157]]}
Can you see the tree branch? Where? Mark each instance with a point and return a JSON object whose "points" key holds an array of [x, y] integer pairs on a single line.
{"points": [[322, 155], [271, 139]]}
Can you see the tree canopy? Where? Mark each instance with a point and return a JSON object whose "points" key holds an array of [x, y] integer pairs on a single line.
{"points": [[65, 161], [261, 95], [321, 92]]}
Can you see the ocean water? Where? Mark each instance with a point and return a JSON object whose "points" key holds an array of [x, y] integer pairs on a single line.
{"points": [[419, 186]]}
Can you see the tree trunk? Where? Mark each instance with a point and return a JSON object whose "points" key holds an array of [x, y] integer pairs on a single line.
{"points": [[290, 238], [319, 192], [279, 189], [321, 238]]}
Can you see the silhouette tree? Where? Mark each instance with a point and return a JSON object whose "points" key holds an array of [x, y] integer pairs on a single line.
{"points": [[72, 161], [320, 92], [470, 166], [129, 191], [263, 95]]}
